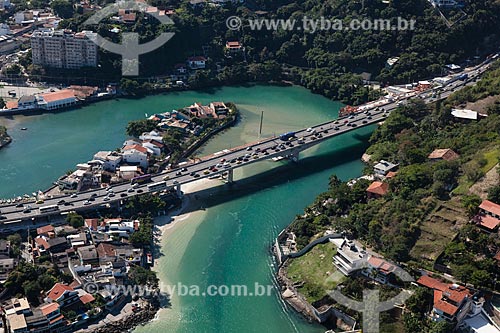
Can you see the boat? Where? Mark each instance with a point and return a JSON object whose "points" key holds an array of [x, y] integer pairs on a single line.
{"points": [[277, 158], [24, 128]]}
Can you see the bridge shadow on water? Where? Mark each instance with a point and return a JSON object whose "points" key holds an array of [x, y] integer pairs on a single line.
{"points": [[287, 172]]}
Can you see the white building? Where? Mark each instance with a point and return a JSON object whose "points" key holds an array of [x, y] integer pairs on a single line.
{"points": [[56, 100], [383, 167], [64, 49], [111, 159], [136, 154], [197, 62], [349, 257]]}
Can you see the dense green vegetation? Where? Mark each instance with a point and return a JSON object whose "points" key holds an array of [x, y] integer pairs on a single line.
{"points": [[323, 61]]}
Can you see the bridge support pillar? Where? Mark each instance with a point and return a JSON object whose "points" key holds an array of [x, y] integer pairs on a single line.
{"points": [[294, 156], [230, 175], [178, 190]]}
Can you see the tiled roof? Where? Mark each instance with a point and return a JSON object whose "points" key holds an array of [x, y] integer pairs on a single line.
{"points": [[432, 283], [443, 306], [445, 154], [136, 147], [378, 188], [87, 298], [45, 229], [490, 207], [57, 290], [58, 95], [49, 308], [488, 222]]}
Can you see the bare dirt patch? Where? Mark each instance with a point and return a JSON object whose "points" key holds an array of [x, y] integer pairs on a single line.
{"points": [[482, 186]]}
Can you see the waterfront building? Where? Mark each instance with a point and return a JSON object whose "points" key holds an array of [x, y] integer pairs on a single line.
{"points": [[64, 49], [110, 159], [57, 99], [383, 167]]}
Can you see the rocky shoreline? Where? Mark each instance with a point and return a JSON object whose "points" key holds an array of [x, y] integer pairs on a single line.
{"points": [[4, 141], [127, 324]]}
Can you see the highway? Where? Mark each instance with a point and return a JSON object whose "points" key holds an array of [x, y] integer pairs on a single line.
{"points": [[228, 160]]}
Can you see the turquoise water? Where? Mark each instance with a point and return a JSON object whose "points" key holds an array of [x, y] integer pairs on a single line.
{"points": [[228, 242]]}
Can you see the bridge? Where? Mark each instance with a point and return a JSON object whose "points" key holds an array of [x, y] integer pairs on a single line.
{"points": [[15, 216]]}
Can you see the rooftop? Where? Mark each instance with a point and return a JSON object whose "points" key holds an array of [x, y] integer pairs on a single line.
{"points": [[445, 154], [490, 207], [49, 308], [57, 290], [58, 95], [378, 188]]}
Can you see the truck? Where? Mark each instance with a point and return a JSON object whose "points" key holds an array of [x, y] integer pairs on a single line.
{"points": [[287, 136]]}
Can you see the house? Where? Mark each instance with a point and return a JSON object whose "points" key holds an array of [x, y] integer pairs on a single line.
{"points": [[26, 102], [233, 47], [62, 294], [129, 254], [377, 189], [110, 159], [443, 154], [383, 167], [349, 258], [452, 302], [155, 147], [77, 240], [391, 62], [58, 99], [106, 252], [7, 265], [52, 312], [17, 323], [36, 321], [4, 248], [17, 306], [198, 62], [51, 245], [128, 172], [136, 154], [379, 270], [88, 255], [219, 108], [153, 135], [180, 69], [201, 111], [47, 231], [488, 217]]}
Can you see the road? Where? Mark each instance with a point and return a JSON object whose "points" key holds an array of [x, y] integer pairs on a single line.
{"points": [[227, 160]]}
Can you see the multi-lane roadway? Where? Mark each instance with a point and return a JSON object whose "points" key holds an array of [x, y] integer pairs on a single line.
{"points": [[227, 160]]}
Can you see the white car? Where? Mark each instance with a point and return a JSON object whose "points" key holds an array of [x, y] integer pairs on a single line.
{"points": [[309, 129]]}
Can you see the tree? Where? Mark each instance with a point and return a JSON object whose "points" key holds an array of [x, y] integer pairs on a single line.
{"points": [[135, 128], [62, 8], [494, 194], [471, 204], [2, 103], [14, 239], [75, 220]]}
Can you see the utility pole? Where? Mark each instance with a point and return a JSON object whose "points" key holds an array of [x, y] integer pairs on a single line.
{"points": [[261, 118]]}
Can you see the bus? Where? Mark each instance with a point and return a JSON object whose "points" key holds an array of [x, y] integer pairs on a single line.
{"points": [[49, 209], [141, 179], [157, 186], [287, 136]]}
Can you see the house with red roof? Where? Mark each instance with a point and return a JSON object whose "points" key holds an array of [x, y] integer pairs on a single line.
{"points": [[198, 62], [57, 99], [53, 313], [379, 270], [377, 189], [451, 302], [136, 155], [443, 154], [62, 294], [488, 218]]}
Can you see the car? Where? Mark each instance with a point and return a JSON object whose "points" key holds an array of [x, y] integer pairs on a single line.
{"points": [[3, 217], [38, 202], [196, 175], [267, 153], [364, 121], [255, 157], [167, 177], [245, 159], [249, 148], [136, 185], [319, 135], [240, 158], [61, 202], [91, 199], [238, 162], [206, 172], [19, 205], [309, 129], [26, 211], [111, 194], [184, 169], [123, 195], [336, 122], [325, 131], [227, 165], [93, 195], [68, 204], [109, 188], [106, 199], [257, 150], [354, 125], [233, 161], [369, 117], [86, 203], [74, 195], [130, 190], [351, 116], [336, 128], [346, 121], [192, 174], [223, 160], [139, 191], [178, 173]]}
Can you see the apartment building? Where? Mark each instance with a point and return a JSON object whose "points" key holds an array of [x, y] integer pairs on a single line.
{"points": [[64, 49]]}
